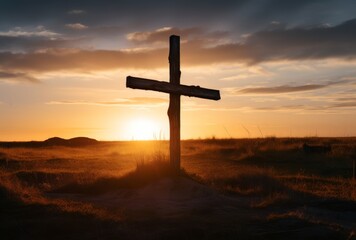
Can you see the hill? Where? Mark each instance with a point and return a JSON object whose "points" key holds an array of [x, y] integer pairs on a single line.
{"points": [[54, 141]]}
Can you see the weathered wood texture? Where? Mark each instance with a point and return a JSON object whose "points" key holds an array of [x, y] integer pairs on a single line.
{"points": [[174, 101], [190, 91]]}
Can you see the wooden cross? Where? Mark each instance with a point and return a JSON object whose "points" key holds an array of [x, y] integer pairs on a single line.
{"points": [[175, 90]]}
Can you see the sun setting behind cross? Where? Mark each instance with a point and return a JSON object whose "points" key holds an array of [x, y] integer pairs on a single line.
{"points": [[143, 129]]}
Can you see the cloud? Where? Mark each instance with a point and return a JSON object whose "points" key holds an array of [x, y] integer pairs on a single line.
{"points": [[161, 35], [68, 59], [345, 99], [236, 16], [137, 101], [286, 88], [20, 39], [283, 44], [294, 108], [332, 108], [76, 12], [76, 26], [276, 45], [303, 43], [284, 108], [19, 77], [281, 89], [39, 32], [244, 15], [297, 108], [194, 36], [318, 42], [32, 44], [350, 104], [248, 72]]}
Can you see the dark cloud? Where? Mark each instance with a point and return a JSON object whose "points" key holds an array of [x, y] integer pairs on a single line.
{"points": [[303, 43], [240, 15], [76, 12], [306, 107], [318, 42], [280, 89], [351, 104], [135, 13], [283, 44], [109, 20], [286, 88], [346, 99], [18, 77], [82, 60], [71, 35], [28, 44]]}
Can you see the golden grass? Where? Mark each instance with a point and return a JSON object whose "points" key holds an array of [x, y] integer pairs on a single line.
{"points": [[26, 194], [334, 187], [267, 170]]}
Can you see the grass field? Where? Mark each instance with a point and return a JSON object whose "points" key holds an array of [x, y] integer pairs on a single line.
{"points": [[228, 189]]}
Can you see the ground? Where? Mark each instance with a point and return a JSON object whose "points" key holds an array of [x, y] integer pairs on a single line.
{"points": [[246, 188]]}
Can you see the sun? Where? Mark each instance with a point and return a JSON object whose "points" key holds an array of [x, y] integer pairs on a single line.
{"points": [[143, 129]]}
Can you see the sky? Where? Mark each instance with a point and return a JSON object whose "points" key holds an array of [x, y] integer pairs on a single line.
{"points": [[283, 68]]}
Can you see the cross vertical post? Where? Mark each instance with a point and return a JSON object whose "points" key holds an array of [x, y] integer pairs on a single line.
{"points": [[174, 102]]}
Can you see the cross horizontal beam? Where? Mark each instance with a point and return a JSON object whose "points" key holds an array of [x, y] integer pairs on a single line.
{"points": [[190, 91]]}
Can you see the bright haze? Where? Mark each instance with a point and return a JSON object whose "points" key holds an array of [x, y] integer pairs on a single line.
{"points": [[284, 68]]}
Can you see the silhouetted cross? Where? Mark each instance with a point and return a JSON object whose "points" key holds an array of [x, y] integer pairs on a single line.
{"points": [[175, 90]]}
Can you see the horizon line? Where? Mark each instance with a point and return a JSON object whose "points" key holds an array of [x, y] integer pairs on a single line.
{"points": [[186, 139]]}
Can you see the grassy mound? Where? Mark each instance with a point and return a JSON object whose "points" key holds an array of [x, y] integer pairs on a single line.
{"points": [[144, 174]]}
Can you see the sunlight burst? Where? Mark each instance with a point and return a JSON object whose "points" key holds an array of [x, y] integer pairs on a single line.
{"points": [[143, 129]]}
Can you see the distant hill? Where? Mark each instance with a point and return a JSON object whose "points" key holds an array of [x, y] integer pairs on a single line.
{"points": [[77, 141], [54, 141], [82, 141]]}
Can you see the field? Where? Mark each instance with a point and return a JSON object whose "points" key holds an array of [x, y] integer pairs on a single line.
{"points": [[228, 189]]}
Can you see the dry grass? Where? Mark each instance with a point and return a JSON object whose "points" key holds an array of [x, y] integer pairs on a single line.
{"points": [[334, 187], [262, 167], [20, 191], [265, 173]]}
